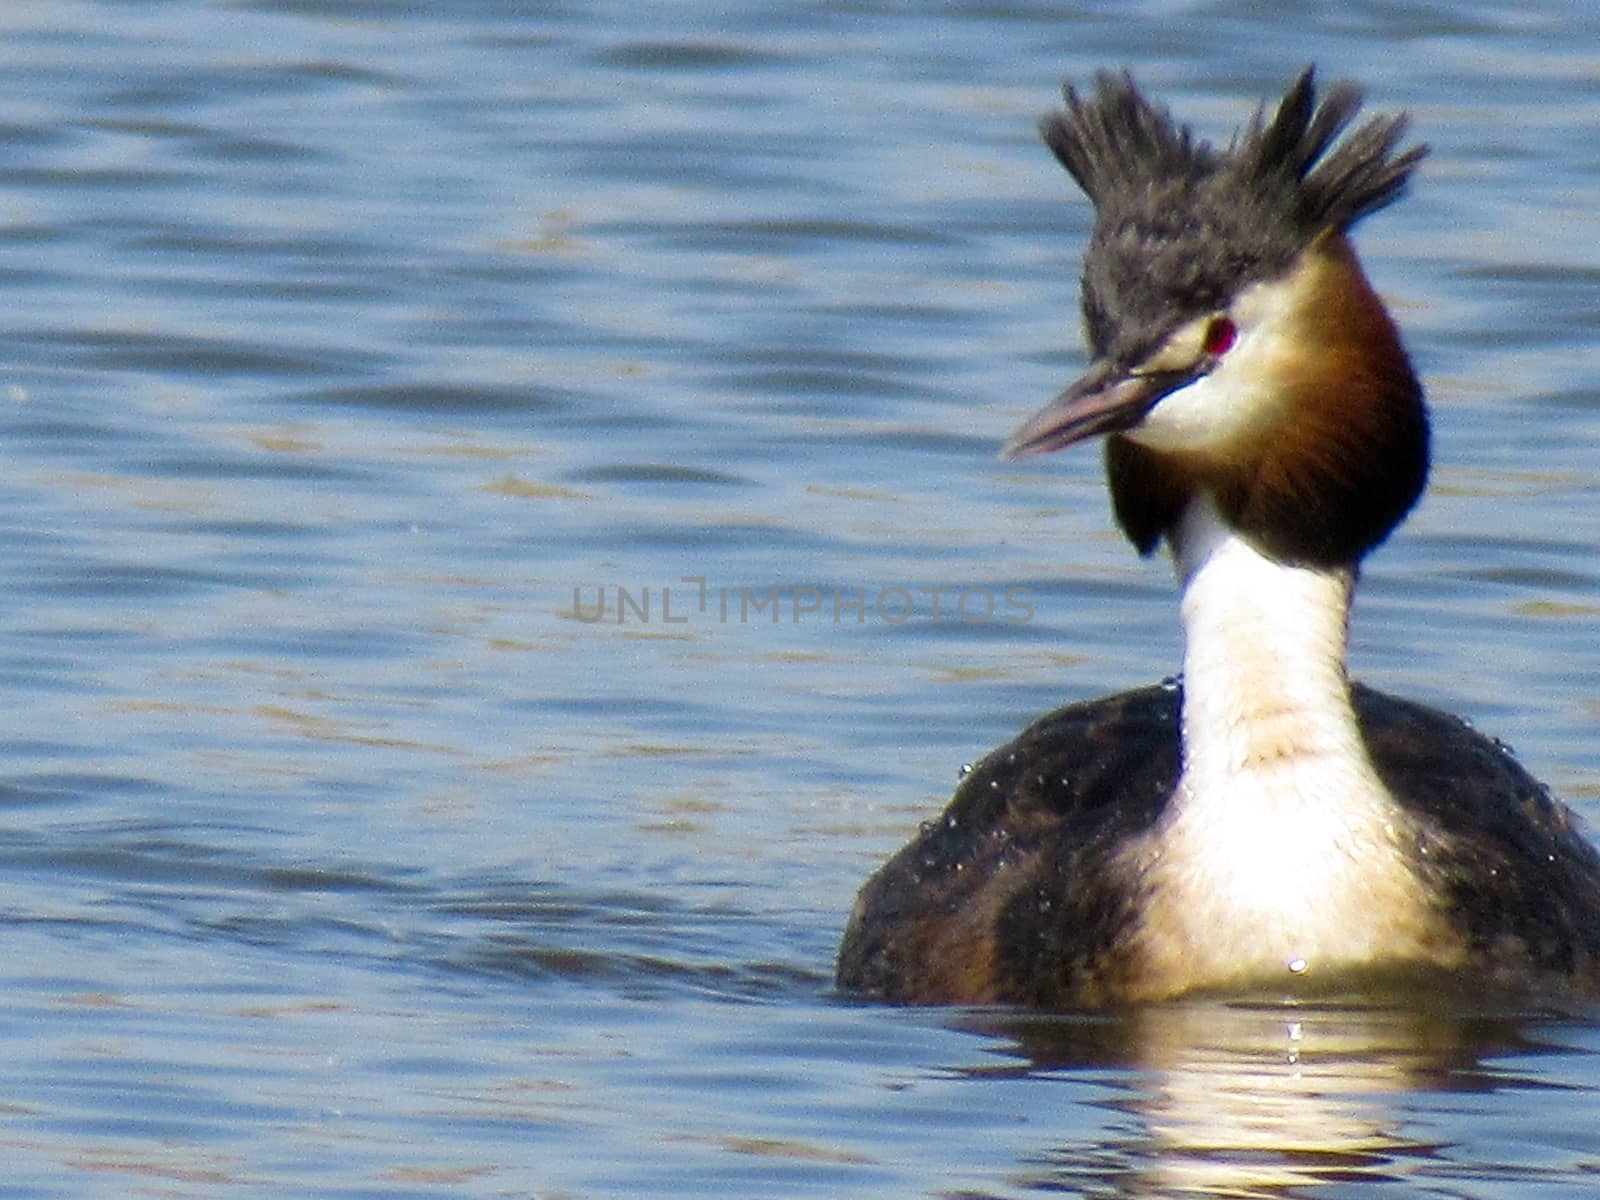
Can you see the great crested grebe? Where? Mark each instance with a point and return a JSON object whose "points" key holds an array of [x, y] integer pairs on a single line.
{"points": [[1267, 822]]}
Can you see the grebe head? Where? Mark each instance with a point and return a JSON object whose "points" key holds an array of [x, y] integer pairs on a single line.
{"points": [[1238, 349]]}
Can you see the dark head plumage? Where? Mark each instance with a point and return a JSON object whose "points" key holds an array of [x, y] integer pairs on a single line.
{"points": [[1310, 436], [1180, 226]]}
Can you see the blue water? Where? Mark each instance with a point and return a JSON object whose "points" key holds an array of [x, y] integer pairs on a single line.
{"points": [[356, 355]]}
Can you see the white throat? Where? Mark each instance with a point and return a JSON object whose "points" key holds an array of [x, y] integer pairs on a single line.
{"points": [[1281, 851], [1265, 690]]}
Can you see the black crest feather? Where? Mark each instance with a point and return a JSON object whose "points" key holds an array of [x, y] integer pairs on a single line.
{"points": [[1180, 225]]}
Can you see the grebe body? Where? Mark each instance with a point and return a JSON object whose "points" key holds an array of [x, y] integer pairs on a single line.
{"points": [[1039, 885], [1266, 822]]}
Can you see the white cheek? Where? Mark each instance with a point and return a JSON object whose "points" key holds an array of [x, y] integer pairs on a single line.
{"points": [[1222, 409], [1193, 418]]}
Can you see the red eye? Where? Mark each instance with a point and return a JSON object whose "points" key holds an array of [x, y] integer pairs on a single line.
{"points": [[1220, 335]]}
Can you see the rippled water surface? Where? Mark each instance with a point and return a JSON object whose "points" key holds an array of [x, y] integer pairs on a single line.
{"points": [[477, 482]]}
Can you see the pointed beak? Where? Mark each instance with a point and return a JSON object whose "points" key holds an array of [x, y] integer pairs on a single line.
{"points": [[1107, 399]]}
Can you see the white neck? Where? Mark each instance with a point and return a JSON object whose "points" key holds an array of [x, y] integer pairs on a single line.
{"points": [[1281, 850], [1264, 657]]}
